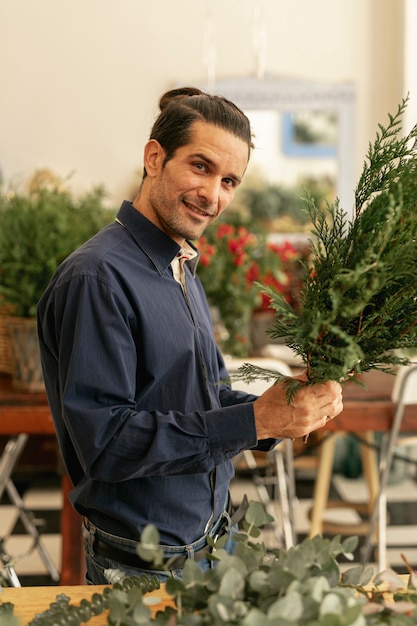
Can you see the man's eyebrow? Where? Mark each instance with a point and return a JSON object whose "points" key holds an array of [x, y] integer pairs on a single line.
{"points": [[204, 157]]}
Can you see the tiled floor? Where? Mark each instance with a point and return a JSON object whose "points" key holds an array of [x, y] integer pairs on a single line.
{"points": [[43, 497]]}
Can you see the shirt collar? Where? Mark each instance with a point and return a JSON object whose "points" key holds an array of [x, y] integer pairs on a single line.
{"points": [[156, 244]]}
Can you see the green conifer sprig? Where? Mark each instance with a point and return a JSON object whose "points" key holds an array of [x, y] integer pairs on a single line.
{"points": [[358, 307]]}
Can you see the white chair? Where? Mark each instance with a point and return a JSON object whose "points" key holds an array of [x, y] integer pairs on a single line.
{"points": [[279, 460], [404, 393]]}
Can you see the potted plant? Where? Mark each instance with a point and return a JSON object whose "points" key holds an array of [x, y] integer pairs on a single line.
{"points": [[39, 228]]}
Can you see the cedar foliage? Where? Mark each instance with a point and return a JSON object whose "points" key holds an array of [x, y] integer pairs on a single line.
{"points": [[358, 307]]}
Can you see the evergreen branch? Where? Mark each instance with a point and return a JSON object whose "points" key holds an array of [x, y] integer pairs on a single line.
{"points": [[249, 373], [358, 304]]}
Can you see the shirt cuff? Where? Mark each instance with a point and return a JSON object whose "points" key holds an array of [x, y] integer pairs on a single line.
{"points": [[231, 430]]}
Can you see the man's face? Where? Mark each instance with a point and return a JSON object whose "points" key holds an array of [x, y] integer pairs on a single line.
{"points": [[194, 187]]}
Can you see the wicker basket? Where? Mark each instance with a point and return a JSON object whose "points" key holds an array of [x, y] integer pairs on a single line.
{"points": [[6, 359], [27, 370]]}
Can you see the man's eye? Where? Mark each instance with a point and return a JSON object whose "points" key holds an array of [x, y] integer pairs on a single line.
{"points": [[229, 182], [200, 166]]}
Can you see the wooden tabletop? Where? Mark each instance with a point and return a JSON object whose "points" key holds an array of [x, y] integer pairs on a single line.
{"points": [[369, 407], [31, 600], [28, 601], [365, 408], [23, 412]]}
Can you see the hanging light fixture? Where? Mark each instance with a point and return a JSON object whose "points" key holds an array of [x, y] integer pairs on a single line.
{"points": [[209, 48], [259, 39]]}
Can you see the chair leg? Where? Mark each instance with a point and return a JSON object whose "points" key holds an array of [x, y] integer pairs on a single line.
{"points": [[8, 568], [31, 529], [322, 484], [285, 499], [378, 518], [282, 479]]}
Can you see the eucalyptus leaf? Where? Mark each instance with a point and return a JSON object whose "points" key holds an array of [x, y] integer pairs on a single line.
{"points": [[290, 607], [255, 617], [258, 580], [192, 573], [352, 615], [141, 615], [257, 515], [220, 607], [349, 545], [332, 604], [358, 575], [318, 587], [233, 583], [295, 564]]}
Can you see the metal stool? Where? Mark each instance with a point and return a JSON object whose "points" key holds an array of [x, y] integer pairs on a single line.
{"points": [[11, 454], [404, 393], [279, 470]]}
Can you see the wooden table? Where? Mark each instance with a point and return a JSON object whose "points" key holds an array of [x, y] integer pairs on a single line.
{"points": [[31, 600], [28, 413], [366, 410]]}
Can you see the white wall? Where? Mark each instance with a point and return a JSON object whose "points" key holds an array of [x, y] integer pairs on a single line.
{"points": [[80, 79], [410, 60]]}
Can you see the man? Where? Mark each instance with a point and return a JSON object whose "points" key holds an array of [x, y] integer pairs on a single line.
{"points": [[146, 426]]}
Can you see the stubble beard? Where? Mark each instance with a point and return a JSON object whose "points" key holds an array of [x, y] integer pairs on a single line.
{"points": [[173, 223]]}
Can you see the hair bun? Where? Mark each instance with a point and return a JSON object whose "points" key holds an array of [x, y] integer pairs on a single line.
{"points": [[178, 94]]}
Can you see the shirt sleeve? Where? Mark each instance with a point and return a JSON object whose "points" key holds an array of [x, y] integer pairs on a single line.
{"points": [[87, 338]]}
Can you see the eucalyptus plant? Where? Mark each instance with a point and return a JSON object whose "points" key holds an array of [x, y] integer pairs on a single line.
{"points": [[301, 586]]}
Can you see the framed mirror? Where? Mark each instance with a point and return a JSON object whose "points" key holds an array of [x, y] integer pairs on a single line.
{"points": [[303, 130]]}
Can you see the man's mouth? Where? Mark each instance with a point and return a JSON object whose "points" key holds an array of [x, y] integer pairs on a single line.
{"points": [[197, 209]]}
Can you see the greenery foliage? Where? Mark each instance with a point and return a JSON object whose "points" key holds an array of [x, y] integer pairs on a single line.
{"points": [[300, 586], [358, 304], [278, 207], [39, 228]]}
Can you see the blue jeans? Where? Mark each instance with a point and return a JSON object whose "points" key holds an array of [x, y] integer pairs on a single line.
{"points": [[96, 563]]}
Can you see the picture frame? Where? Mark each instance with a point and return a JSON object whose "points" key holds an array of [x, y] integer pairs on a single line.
{"points": [[309, 133]]}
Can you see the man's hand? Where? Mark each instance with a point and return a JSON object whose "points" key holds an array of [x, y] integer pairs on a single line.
{"points": [[310, 409]]}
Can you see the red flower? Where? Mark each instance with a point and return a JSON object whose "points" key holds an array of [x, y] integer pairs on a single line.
{"points": [[225, 230], [253, 273], [285, 251], [207, 250]]}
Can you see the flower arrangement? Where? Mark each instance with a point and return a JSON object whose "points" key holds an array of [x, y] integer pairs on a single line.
{"points": [[233, 259]]}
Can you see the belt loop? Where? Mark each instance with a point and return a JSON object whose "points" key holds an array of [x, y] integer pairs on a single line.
{"points": [[89, 532], [190, 552]]}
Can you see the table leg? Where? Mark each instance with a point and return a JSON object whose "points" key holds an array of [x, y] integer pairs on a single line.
{"points": [[72, 553], [370, 466], [322, 484]]}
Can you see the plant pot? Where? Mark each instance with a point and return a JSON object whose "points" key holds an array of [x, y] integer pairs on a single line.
{"points": [[260, 322], [26, 360]]}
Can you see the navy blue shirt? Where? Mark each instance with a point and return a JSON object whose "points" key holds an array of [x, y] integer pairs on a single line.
{"points": [[135, 382]]}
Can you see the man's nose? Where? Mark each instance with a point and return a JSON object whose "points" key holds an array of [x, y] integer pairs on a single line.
{"points": [[210, 190]]}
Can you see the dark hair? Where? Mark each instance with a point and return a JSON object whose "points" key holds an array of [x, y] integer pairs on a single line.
{"points": [[181, 107]]}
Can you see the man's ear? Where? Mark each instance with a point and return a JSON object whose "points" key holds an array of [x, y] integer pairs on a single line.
{"points": [[153, 157]]}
